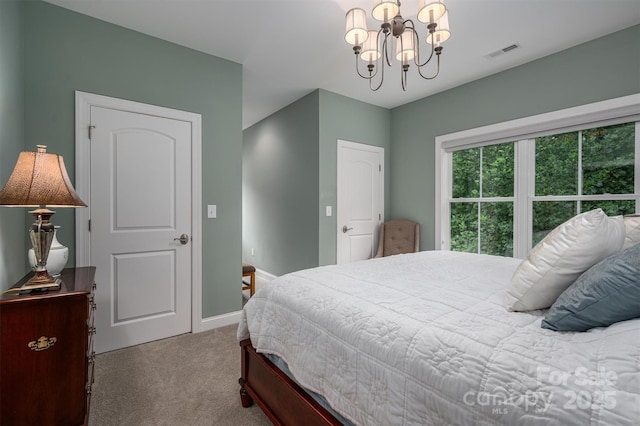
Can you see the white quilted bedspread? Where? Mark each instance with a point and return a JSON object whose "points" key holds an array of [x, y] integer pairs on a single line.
{"points": [[423, 339]]}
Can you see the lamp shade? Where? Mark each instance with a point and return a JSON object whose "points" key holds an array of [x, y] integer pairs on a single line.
{"points": [[430, 11], [442, 32], [356, 26], [370, 50], [405, 46], [383, 10], [39, 179]]}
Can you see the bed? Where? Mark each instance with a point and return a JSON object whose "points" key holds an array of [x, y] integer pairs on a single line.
{"points": [[425, 339]]}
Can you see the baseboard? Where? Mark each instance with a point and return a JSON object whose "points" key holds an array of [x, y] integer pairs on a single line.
{"points": [[218, 321], [264, 277], [211, 323]]}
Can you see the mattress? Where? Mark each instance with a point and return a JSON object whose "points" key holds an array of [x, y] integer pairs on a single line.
{"points": [[424, 339]]}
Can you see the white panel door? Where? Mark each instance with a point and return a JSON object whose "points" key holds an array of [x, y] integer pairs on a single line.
{"points": [[360, 200], [140, 206]]}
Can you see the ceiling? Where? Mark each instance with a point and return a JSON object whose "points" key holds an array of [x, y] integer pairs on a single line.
{"points": [[290, 47]]}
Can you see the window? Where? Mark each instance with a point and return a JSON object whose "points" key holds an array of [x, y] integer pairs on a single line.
{"points": [[481, 209], [501, 189], [580, 171]]}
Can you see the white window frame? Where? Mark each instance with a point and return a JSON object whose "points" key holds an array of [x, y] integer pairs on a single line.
{"points": [[522, 131]]}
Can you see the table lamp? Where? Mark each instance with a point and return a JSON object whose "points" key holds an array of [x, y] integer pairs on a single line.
{"points": [[40, 180]]}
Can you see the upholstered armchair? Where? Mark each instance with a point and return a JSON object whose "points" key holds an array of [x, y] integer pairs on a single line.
{"points": [[398, 236]]}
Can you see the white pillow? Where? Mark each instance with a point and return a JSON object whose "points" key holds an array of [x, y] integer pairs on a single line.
{"points": [[565, 253], [632, 225]]}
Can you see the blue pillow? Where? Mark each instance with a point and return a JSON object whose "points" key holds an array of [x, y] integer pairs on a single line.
{"points": [[606, 293]]}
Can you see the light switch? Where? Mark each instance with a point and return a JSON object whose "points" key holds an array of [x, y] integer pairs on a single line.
{"points": [[212, 211], [328, 210]]}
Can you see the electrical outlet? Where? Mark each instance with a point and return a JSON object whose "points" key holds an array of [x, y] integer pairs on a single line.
{"points": [[253, 251], [328, 211], [212, 211]]}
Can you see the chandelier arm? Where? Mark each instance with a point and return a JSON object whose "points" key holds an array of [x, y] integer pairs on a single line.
{"points": [[438, 68], [377, 87], [408, 23], [369, 77], [417, 57], [384, 47], [381, 68], [381, 77]]}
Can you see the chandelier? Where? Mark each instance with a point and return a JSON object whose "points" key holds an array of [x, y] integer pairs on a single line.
{"points": [[373, 46]]}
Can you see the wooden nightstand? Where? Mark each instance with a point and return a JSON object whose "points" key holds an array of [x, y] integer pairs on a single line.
{"points": [[46, 353]]}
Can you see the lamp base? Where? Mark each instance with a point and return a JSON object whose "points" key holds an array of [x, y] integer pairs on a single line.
{"points": [[40, 282], [34, 287]]}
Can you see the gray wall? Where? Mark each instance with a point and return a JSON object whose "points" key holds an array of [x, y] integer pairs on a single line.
{"points": [[280, 188], [289, 176], [347, 119], [13, 221], [605, 68], [65, 51]]}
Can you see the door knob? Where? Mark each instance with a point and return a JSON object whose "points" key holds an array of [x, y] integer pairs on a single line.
{"points": [[184, 239], [345, 229]]}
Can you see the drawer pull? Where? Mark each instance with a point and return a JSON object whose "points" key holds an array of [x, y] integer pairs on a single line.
{"points": [[43, 343], [93, 287], [92, 330]]}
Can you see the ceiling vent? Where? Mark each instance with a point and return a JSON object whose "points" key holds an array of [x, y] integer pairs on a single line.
{"points": [[504, 50]]}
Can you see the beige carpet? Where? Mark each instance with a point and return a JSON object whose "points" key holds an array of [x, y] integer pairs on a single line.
{"points": [[190, 379]]}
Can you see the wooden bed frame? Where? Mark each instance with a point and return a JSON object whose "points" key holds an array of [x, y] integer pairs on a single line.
{"points": [[281, 399]]}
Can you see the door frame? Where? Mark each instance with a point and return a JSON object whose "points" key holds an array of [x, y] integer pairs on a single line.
{"points": [[83, 103], [363, 147]]}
